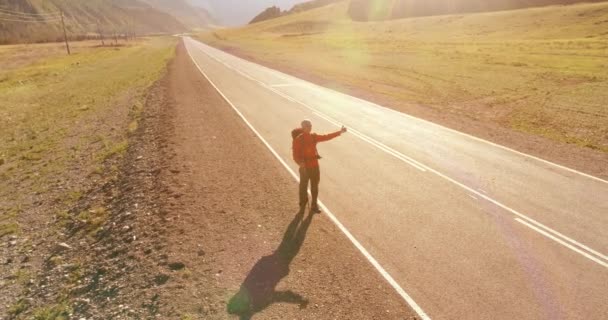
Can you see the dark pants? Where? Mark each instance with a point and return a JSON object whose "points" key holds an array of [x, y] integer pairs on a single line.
{"points": [[314, 176]]}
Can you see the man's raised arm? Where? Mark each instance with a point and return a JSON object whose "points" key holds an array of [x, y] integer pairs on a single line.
{"points": [[327, 137]]}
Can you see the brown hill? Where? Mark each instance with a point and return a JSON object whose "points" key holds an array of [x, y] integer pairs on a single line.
{"points": [[269, 13], [189, 15], [23, 21], [375, 10], [275, 12]]}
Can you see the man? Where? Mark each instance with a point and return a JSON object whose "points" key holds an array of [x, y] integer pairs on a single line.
{"points": [[306, 156]]}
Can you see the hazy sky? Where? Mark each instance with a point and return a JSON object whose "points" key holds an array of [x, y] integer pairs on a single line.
{"points": [[235, 12]]}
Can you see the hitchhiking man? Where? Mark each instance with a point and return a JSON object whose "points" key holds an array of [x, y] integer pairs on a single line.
{"points": [[306, 156]]}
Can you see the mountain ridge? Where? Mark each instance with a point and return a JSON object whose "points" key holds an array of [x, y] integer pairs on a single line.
{"points": [[22, 21], [379, 10], [190, 15]]}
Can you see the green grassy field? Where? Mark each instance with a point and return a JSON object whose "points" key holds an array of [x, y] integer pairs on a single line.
{"points": [[62, 116], [542, 71]]}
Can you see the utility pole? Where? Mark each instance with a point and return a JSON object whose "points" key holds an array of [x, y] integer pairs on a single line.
{"points": [[133, 34], [65, 35], [103, 44]]}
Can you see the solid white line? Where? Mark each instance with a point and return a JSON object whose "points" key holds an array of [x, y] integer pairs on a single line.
{"points": [[330, 120], [546, 234], [333, 218], [282, 75], [375, 143], [284, 85], [521, 215], [370, 140], [413, 162], [482, 140]]}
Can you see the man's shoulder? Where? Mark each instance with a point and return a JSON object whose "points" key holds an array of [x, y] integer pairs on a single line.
{"points": [[299, 138]]}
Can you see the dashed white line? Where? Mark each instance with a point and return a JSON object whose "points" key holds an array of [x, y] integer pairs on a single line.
{"points": [[291, 78], [409, 160], [409, 300], [284, 85], [375, 143]]}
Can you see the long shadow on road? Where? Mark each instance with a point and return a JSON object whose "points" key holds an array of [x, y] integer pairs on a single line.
{"points": [[258, 291]]}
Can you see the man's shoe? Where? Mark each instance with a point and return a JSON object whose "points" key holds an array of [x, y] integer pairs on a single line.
{"points": [[315, 210]]}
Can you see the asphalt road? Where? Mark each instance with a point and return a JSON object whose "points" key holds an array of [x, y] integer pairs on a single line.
{"points": [[466, 228]]}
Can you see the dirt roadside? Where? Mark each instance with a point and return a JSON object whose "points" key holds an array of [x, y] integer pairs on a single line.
{"points": [[233, 231]]}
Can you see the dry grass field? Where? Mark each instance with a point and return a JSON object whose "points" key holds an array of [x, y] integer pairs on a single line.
{"points": [[541, 71], [64, 125]]}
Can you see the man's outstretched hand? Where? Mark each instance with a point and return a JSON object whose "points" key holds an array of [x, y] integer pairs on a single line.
{"points": [[343, 130]]}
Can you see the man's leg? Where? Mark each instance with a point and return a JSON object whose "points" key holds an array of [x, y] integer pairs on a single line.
{"points": [[315, 178], [304, 177]]}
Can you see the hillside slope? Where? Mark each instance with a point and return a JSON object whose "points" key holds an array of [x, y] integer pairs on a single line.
{"points": [[367, 10], [269, 13], [275, 12], [189, 15], [513, 77], [239, 12], [82, 17]]}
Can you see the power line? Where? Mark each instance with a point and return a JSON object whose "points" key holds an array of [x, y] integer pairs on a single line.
{"points": [[11, 12], [15, 16], [26, 16], [34, 21]]}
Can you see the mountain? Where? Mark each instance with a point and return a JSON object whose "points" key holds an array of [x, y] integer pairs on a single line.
{"points": [[190, 15], [81, 18], [240, 12], [269, 13], [376, 10], [275, 12]]}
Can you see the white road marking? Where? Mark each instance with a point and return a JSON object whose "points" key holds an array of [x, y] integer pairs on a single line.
{"points": [[286, 77], [284, 85], [333, 218], [422, 166], [370, 140], [379, 145], [546, 234]]}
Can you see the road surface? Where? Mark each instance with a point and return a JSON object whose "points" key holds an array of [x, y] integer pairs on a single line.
{"points": [[461, 227]]}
